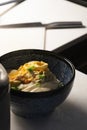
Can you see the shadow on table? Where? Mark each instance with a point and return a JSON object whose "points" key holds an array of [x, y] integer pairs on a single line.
{"points": [[66, 117]]}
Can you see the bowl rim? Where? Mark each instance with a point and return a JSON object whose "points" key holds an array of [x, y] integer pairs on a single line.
{"points": [[46, 93]]}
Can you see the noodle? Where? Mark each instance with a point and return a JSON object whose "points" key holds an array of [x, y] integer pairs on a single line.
{"points": [[33, 76]]}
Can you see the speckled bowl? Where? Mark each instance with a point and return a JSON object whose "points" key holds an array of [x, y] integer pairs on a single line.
{"points": [[28, 104]]}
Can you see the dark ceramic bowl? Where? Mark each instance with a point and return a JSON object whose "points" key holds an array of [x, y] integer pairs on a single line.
{"points": [[30, 104]]}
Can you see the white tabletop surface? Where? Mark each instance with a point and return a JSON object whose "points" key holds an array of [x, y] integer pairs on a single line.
{"points": [[72, 114], [47, 11], [24, 38]]}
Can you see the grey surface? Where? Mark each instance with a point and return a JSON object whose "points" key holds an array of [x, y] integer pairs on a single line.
{"points": [[71, 115]]}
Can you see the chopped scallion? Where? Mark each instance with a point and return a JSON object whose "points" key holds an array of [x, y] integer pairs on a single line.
{"points": [[41, 76], [31, 68]]}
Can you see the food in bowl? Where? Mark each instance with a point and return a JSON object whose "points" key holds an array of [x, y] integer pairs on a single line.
{"points": [[33, 76]]}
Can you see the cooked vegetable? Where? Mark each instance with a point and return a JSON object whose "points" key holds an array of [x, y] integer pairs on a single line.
{"points": [[33, 76]]}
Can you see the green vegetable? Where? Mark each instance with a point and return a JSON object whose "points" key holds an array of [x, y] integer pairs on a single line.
{"points": [[14, 87], [60, 84], [30, 69], [38, 84], [41, 76]]}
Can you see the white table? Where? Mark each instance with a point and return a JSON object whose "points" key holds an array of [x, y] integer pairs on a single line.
{"points": [[47, 11], [72, 114], [24, 38]]}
